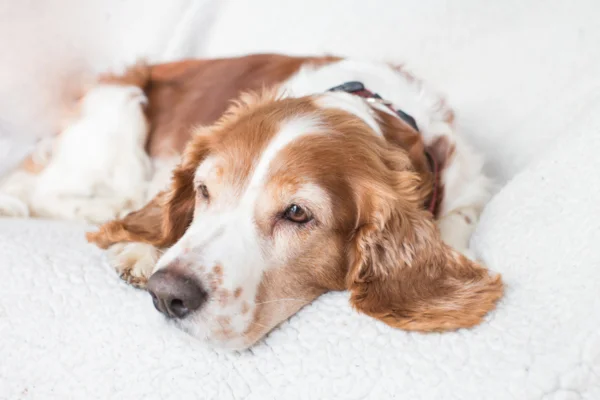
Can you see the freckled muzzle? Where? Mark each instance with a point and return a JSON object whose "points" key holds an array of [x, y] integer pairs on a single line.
{"points": [[175, 294]]}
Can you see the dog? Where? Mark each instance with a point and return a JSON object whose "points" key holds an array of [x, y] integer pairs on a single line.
{"points": [[238, 190]]}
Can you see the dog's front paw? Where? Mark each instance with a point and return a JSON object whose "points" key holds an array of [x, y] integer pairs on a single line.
{"points": [[134, 262]]}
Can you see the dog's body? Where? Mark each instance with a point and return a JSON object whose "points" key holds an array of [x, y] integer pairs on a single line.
{"points": [[132, 130]]}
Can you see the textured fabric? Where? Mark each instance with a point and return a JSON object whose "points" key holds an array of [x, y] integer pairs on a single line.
{"points": [[71, 329], [523, 78]]}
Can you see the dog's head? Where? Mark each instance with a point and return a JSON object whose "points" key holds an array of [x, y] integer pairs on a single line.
{"points": [[285, 199]]}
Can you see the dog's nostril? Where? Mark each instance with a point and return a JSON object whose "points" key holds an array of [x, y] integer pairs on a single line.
{"points": [[175, 294], [178, 308]]}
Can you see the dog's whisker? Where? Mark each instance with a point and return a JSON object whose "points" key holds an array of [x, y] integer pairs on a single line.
{"points": [[278, 300], [259, 324]]}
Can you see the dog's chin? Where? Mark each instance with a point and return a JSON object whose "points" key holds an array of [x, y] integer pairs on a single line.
{"points": [[201, 332]]}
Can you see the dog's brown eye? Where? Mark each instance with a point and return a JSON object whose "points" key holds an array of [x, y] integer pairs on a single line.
{"points": [[297, 214], [203, 190]]}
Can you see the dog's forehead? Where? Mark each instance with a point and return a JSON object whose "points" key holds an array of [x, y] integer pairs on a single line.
{"points": [[243, 155], [280, 141]]}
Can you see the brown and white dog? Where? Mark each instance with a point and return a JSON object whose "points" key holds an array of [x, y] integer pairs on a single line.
{"points": [[257, 190]]}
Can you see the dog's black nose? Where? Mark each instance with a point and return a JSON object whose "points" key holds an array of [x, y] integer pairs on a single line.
{"points": [[175, 294]]}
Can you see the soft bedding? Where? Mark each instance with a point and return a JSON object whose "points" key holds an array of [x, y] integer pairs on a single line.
{"points": [[523, 79]]}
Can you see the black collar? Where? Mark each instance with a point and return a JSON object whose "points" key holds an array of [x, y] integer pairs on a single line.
{"points": [[358, 89]]}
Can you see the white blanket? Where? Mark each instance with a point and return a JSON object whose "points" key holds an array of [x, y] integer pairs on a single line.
{"points": [[523, 76], [71, 329]]}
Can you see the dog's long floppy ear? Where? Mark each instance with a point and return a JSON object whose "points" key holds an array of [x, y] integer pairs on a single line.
{"points": [[404, 275], [164, 220]]}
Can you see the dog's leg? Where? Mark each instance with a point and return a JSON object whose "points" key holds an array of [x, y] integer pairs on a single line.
{"points": [[134, 262], [457, 227], [466, 189], [99, 168], [132, 242]]}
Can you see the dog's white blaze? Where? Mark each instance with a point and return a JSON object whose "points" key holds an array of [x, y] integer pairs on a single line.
{"points": [[237, 219], [289, 132]]}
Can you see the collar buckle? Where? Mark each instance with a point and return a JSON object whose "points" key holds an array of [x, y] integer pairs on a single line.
{"points": [[378, 100]]}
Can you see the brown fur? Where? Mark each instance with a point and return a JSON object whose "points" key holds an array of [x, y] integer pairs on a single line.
{"points": [[398, 132], [403, 274], [164, 220], [194, 92], [379, 242], [143, 226], [190, 93], [400, 271]]}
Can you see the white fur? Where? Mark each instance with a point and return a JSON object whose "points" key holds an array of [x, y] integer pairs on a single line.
{"points": [[15, 193], [352, 104], [99, 168], [289, 132], [11, 206], [133, 260], [162, 169], [411, 96]]}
